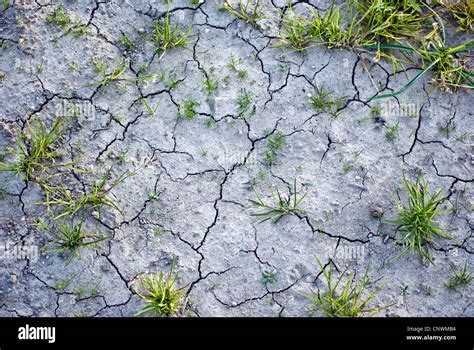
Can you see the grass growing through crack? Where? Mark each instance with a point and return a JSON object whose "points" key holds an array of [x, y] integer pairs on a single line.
{"points": [[244, 103], [210, 84], [392, 131], [151, 111], [114, 76], [62, 19], [37, 149], [70, 204], [164, 36], [274, 144], [159, 292], [416, 218], [460, 278], [324, 102], [281, 206], [187, 109], [71, 238], [248, 12], [343, 299]]}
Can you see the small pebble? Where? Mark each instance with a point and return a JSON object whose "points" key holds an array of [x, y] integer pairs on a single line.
{"points": [[376, 212]]}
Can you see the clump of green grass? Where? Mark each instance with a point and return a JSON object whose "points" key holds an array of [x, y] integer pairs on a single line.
{"points": [[127, 43], [71, 238], [462, 13], [187, 109], [281, 206], [460, 278], [248, 12], [244, 103], [164, 36], [37, 150], [392, 21], [114, 76], [274, 144], [295, 31], [159, 292], [211, 84], [69, 204], [59, 17], [62, 19], [416, 218], [323, 101], [343, 299], [392, 131]]}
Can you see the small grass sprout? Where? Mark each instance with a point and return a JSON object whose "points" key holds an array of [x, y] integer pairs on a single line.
{"points": [[187, 109], [274, 144], [281, 206], [460, 278], [324, 102]]}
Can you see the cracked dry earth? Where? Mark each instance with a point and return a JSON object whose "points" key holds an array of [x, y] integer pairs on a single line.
{"points": [[201, 170]]}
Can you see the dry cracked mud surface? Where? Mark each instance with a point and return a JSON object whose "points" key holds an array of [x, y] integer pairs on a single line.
{"points": [[189, 198]]}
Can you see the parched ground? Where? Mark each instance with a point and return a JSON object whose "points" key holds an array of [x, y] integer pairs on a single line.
{"points": [[188, 201]]}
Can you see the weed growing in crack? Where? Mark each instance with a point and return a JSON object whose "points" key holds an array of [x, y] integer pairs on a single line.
{"points": [[448, 128], [151, 111], [269, 277], [114, 76], [295, 31], [460, 278], [159, 292], [248, 12], [70, 204], [274, 144], [392, 131], [61, 284], [70, 237], [187, 109], [37, 150], [61, 18], [164, 36], [324, 102], [281, 206], [416, 218], [244, 103], [343, 299], [127, 43], [209, 122], [211, 84]]}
